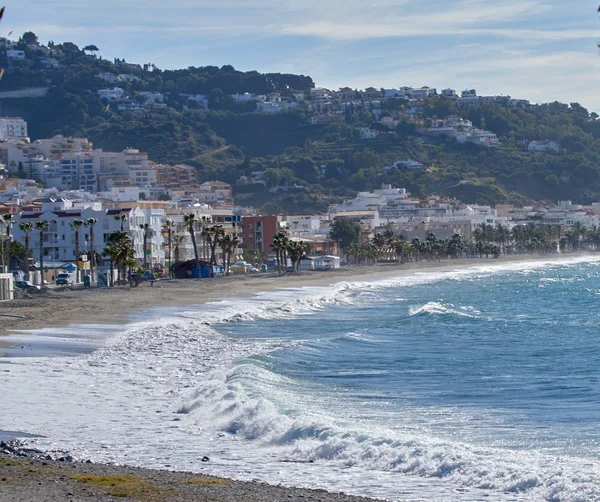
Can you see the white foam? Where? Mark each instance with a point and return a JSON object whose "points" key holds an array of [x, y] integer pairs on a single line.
{"points": [[169, 390]]}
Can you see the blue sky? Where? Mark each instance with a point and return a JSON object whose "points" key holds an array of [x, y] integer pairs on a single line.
{"points": [[542, 50]]}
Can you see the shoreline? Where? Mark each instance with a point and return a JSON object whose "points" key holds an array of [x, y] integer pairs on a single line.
{"points": [[123, 305], [119, 305], [34, 476]]}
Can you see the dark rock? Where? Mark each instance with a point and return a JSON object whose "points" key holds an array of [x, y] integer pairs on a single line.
{"points": [[205, 459]]}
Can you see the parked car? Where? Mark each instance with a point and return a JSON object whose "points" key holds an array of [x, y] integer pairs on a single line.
{"points": [[63, 279], [26, 286]]}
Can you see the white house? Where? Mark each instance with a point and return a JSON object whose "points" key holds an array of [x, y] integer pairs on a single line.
{"points": [[449, 93], [543, 146], [241, 98], [15, 54], [111, 94], [422, 92], [394, 93], [153, 97], [130, 105], [319, 94], [13, 128], [468, 97], [367, 133]]}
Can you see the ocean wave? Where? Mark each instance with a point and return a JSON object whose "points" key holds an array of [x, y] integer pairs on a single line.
{"points": [[436, 308], [286, 426]]}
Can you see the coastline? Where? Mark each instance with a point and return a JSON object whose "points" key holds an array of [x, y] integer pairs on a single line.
{"points": [[118, 305], [41, 479], [121, 305]]}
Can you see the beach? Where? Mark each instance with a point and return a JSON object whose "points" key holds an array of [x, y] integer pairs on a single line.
{"points": [[112, 305], [41, 479], [25, 479]]}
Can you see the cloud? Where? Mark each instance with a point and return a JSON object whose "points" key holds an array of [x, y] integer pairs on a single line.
{"points": [[537, 49]]}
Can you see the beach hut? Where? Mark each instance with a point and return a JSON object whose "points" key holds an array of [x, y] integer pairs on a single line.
{"points": [[327, 262]]}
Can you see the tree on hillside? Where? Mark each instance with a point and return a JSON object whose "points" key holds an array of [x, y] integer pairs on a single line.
{"points": [[29, 38], [344, 231]]}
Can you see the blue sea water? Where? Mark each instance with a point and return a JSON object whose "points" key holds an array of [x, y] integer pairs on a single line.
{"points": [[475, 384]]}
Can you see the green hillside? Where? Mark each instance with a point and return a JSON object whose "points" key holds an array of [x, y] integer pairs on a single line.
{"points": [[317, 165]]}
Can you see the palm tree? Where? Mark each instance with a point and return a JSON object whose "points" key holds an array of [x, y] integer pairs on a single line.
{"points": [[297, 250], [219, 234], [177, 239], [8, 221], [169, 224], [26, 228], [112, 252], [212, 236], [76, 225], [146, 228], [119, 248], [232, 244], [278, 246], [190, 221], [90, 222], [41, 225], [122, 218], [229, 244]]}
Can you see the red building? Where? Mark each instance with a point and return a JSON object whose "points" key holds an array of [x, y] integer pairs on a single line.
{"points": [[258, 231]]}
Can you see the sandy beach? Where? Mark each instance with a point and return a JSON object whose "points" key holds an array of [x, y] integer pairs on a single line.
{"points": [[111, 305], [41, 479]]}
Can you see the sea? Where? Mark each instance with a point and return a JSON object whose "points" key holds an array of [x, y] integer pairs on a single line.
{"points": [[479, 383]]}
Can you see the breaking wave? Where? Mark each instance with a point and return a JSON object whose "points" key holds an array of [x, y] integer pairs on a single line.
{"points": [[436, 308], [284, 426]]}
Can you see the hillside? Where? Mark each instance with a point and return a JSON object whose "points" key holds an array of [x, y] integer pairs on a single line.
{"points": [[306, 166]]}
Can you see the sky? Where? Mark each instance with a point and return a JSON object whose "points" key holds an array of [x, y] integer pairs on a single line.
{"points": [[541, 50]]}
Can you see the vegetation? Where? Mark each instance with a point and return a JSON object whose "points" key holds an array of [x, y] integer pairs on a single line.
{"points": [[26, 227], [119, 250], [190, 221], [488, 241], [305, 167], [285, 249], [41, 226], [7, 220]]}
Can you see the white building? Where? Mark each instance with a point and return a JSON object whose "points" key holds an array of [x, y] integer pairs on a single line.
{"points": [[111, 94], [468, 97], [543, 146], [319, 94], [449, 93], [153, 97], [366, 201], [59, 238], [422, 92], [307, 225], [241, 98], [13, 128], [394, 93], [367, 133], [15, 54]]}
